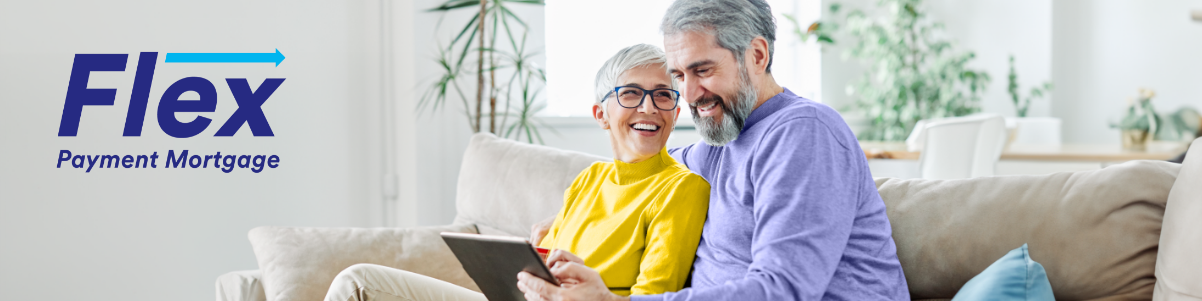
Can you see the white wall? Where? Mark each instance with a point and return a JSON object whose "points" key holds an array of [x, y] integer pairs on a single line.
{"points": [[994, 30], [165, 234], [1104, 51], [577, 49]]}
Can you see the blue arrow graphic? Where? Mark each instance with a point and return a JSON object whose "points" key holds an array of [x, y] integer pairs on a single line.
{"points": [[276, 58]]}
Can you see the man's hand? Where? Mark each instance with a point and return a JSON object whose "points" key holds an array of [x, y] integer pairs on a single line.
{"points": [[539, 230], [578, 283]]}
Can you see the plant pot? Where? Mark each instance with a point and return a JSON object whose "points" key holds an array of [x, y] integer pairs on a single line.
{"points": [[1135, 140]]}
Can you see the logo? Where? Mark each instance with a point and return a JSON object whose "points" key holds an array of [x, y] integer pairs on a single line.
{"points": [[250, 110], [249, 102]]}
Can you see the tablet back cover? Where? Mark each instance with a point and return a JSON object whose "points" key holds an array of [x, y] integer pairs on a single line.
{"points": [[494, 263]]}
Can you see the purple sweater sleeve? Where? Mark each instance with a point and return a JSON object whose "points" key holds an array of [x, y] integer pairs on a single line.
{"points": [[805, 201]]}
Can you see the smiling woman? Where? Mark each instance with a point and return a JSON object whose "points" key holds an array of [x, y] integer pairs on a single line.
{"points": [[638, 105], [638, 219]]}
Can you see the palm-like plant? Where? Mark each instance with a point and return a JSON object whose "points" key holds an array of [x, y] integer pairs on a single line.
{"points": [[523, 82]]}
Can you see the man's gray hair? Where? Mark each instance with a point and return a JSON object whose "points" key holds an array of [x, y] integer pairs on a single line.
{"points": [[626, 59], [733, 23]]}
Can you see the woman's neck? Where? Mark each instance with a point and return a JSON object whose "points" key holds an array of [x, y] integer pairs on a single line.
{"points": [[631, 158]]}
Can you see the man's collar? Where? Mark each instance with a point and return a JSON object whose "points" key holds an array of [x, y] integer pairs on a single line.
{"points": [[768, 107]]}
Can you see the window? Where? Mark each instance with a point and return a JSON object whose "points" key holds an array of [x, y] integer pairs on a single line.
{"points": [[581, 35]]}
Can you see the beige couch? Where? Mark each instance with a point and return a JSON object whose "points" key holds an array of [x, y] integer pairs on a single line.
{"points": [[1097, 233]]}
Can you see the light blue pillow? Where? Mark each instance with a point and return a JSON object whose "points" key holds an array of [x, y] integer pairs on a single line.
{"points": [[1014, 277]]}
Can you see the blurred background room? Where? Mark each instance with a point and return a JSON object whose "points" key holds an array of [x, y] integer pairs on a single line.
{"points": [[382, 98], [1043, 86]]}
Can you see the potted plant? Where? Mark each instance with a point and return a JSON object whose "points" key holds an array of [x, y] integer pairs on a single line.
{"points": [[1139, 121], [1030, 130], [912, 72], [491, 57], [1183, 125]]}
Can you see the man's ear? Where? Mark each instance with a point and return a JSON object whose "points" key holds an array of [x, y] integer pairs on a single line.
{"points": [[757, 56], [599, 115]]}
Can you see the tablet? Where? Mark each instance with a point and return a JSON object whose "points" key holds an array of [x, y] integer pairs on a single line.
{"points": [[494, 262]]}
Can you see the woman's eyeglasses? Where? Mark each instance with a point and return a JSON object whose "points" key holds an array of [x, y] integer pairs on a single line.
{"points": [[632, 97]]}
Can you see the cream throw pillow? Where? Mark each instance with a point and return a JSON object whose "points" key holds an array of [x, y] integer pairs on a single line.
{"points": [[1179, 263], [510, 185], [298, 264]]}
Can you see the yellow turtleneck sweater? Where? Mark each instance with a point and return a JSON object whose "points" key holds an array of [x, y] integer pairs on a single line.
{"points": [[637, 224]]}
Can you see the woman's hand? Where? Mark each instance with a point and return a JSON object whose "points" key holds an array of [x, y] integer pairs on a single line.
{"points": [[578, 282], [558, 257], [539, 230]]}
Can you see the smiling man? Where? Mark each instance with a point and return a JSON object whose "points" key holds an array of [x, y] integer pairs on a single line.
{"points": [[794, 213]]}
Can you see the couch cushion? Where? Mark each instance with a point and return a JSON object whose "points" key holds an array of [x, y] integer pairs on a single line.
{"points": [[1095, 232], [510, 186], [1014, 277], [1179, 261], [299, 263]]}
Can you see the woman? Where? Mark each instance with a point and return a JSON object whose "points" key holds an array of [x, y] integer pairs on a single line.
{"points": [[636, 220]]}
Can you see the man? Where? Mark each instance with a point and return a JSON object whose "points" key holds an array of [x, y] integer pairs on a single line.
{"points": [[794, 213]]}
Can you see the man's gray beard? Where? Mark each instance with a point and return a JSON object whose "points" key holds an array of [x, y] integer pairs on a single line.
{"points": [[733, 116]]}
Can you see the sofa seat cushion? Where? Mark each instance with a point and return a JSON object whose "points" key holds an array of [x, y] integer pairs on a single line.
{"points": [[1179, 262], [1095, 232], [298, 264]]}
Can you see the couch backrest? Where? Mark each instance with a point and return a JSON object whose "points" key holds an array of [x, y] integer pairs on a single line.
{"points": [[509, 186], [1095, 232]]}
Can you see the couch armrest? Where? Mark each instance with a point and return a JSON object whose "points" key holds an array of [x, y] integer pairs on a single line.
{"points": [[241, 286]]}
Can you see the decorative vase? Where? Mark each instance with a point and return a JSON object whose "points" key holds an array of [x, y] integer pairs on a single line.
{"points": [[1135, 140]]}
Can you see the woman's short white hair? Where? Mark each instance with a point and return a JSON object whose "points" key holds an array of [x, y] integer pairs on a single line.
{"points": [[626, 59]]}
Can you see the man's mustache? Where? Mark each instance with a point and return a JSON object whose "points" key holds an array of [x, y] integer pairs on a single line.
{"points": [[706, 101]]}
